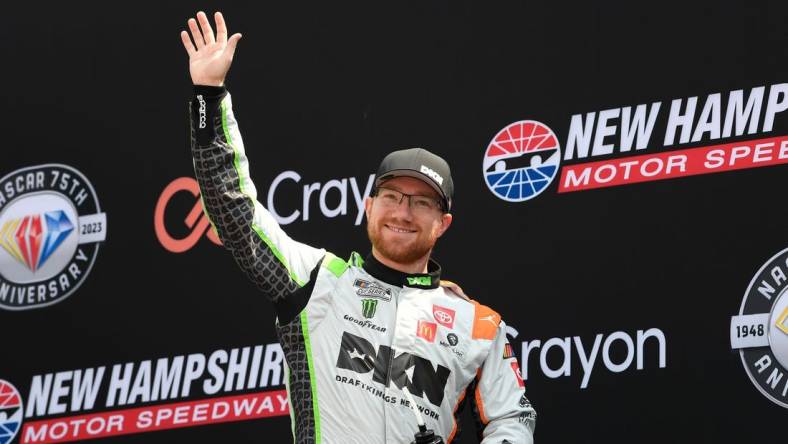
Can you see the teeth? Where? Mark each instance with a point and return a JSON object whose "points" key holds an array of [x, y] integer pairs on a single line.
{"points": [[399, 230]]}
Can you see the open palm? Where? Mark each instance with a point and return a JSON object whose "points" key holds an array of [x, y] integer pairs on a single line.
{"points": [[210, 56]]}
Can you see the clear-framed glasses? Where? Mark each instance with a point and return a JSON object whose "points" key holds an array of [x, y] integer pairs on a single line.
{"points": [[391, 198]]}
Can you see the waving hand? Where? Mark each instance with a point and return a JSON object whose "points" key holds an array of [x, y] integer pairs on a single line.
{"points": [[209, 56]]}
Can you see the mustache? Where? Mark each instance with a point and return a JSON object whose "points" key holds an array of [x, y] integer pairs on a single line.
{"points": [[397, 222]]}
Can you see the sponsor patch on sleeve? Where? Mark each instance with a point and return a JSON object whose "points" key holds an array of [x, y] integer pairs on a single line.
{"points": [[508, 351], [516, 369]]}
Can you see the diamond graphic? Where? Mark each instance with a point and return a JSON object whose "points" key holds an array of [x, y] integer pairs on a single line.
{"points": [[24, 234], [7, 239], [35, 239], [31, 242], [58, 229], [782, 323]]}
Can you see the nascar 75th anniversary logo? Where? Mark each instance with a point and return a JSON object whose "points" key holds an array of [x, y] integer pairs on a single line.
{"points": [[760, 330], [50, 228]]}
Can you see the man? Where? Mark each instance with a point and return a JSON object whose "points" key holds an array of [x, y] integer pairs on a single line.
{"points": [[361, 335]]}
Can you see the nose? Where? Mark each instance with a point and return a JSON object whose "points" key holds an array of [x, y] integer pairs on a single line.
{"points": [[402, 210]]}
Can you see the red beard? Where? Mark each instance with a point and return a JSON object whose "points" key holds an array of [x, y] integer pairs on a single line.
{"points": [[403, 253]]}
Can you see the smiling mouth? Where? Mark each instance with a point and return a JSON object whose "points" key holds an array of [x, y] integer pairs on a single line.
{"points": [[399, 230]]}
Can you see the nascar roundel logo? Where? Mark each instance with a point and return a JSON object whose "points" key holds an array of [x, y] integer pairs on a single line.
{"points": [[521, 160], [10, 411]]}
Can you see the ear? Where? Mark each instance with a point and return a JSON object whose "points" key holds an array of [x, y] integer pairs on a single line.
{"points": [[367, 206], [445, 223]]}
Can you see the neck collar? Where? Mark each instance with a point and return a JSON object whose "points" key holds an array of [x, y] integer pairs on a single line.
{"points": [[430, 279]]}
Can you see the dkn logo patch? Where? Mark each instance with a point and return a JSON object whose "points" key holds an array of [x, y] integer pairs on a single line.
{"points": [[10, 411], [426, 330], [444, 316], [195, 224], [521, 160], [760, 330], [392, 368], [51, 225]]}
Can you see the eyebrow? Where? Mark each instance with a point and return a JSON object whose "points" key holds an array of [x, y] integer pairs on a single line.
{"points": [[434, 195]]}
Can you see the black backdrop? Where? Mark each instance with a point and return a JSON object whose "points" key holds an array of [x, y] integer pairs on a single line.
{"points": [[325, 90]]}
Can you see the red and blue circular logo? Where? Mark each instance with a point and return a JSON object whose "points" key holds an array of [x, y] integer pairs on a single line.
{"points": [[521, 160], [10, 411]]}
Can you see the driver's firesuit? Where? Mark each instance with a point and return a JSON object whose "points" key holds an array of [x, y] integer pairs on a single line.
{"points": [[356, 332]]}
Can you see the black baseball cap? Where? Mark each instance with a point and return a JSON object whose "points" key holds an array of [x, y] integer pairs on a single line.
{"points": [[420, 164]]}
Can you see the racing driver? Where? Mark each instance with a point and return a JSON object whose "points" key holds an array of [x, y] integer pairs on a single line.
{"points": [[362, 337]]}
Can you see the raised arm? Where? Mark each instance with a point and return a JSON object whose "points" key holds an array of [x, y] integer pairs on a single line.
{"points": [[275, 262]]}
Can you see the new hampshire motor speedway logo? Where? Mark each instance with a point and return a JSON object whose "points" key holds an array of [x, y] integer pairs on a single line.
{"points": [[523, 158], [164, 393], [50, 228], [760, 330], [10, 411]]}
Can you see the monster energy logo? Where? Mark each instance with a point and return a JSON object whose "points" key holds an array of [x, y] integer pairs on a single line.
{"points": [[368, 307]]}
